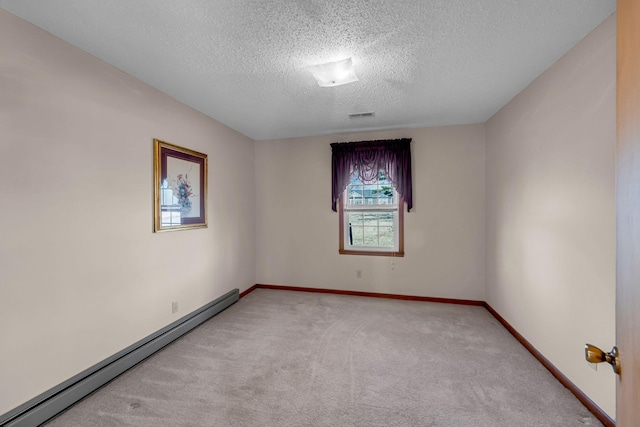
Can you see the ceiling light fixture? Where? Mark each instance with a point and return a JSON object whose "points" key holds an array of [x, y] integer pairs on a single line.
{"points": [[334, 73]]}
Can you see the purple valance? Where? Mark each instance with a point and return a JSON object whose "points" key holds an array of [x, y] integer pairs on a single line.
{"points": [[367, 159]]}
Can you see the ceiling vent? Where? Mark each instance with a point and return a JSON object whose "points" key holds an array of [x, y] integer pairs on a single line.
{"points": [[356, 115]]}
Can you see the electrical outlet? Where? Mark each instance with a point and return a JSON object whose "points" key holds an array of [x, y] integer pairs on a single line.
{"points": [[174, 307], [359, 274]]}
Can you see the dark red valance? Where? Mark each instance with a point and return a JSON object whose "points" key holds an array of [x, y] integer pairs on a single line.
{"points": [[367, 159]]}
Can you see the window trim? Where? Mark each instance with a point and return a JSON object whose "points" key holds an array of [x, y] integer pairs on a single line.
{"points": [[373, 252]]}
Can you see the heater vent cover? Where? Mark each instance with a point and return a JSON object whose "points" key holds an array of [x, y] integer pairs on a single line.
{"points": [[356, 115]]}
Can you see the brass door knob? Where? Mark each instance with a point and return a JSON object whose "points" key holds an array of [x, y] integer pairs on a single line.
{"points": [[594, 355]]}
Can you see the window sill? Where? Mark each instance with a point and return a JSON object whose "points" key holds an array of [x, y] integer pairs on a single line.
{"points": [[372, 253]]}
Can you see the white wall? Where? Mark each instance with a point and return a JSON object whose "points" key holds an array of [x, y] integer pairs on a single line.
{"points": [[82, 275], [297, 233], [551, 211]]}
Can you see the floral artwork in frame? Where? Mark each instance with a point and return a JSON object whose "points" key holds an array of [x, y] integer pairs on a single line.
{"points": [[180, 188]]}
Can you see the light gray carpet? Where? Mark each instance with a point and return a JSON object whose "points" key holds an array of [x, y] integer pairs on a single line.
{"points": [[280, 358]]}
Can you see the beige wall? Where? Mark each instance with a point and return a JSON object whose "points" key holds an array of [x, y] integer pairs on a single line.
{"points": [[297, 233], [551, 211], [82, 275]]}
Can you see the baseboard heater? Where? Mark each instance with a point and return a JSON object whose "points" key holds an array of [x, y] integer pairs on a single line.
{"points": [[53, 401]]}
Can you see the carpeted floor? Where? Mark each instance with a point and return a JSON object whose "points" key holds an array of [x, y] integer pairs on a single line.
{"points": [[281, 358]]}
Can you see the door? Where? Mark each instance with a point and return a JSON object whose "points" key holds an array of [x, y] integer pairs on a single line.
{"points": [[628, 213]]}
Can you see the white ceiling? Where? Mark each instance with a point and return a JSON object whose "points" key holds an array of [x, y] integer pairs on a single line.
{"points": [[242, 62]]}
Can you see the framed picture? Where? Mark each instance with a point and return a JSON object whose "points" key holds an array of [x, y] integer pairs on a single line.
{"points": [[180, 188]]}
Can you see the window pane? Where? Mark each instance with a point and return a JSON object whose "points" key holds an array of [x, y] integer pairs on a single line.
{"points": [[370, 236], [386, 218], [354, 193], [356, 218], [357, 235], [370, 195], [386, 236], [370, 218], [376, 228], [385, 194], [371, 228]]}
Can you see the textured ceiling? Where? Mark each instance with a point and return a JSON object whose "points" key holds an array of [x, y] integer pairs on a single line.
{"points": [[243, 62]]}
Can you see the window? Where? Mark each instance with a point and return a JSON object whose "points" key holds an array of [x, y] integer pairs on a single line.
{"points": [[371, 181], [371, 218]]}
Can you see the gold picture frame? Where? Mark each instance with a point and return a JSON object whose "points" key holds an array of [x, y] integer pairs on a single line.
{"points": [[180, 188]]}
